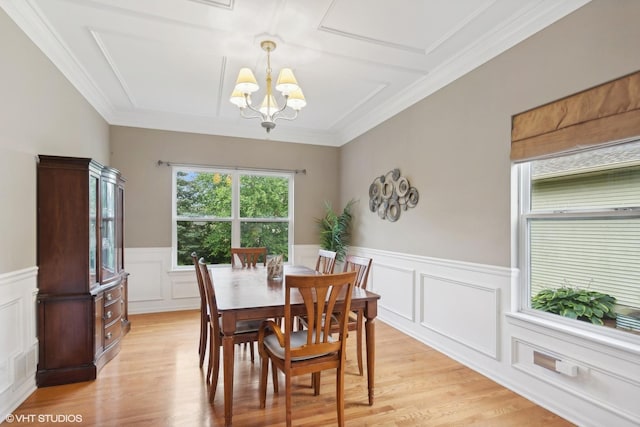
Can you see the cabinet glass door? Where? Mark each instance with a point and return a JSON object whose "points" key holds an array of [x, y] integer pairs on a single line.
{"points": [[108, 226], [93, 228]]}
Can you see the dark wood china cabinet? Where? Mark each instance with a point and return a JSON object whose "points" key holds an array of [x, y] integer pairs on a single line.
{"points": [[82, 297]]}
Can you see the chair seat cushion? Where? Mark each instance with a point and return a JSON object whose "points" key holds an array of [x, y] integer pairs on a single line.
{"points": [[244, 326], [298, 339]]}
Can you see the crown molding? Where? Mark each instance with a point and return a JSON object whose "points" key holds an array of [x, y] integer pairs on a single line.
{"points": [[485, 48], [27, 16]]}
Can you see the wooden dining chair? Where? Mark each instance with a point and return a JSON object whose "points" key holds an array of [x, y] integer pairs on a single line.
{"points": [[204, 312], [326, 262], [355, 321], [246, 330], [314, 349], [248, 257]]}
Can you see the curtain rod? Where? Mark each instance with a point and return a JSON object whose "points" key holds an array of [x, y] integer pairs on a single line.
{"points": [[296, 171]]}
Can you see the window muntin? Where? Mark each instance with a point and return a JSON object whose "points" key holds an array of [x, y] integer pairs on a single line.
{"points": [[215, 210], [580, 224]]}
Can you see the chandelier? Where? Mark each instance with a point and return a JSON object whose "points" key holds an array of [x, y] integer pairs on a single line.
{"points": [[269, 110]]}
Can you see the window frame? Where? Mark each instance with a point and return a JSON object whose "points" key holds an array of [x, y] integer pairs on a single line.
{"points": [[522, 300], [235, 218]]}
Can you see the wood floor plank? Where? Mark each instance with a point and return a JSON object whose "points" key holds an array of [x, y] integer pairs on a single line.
{"points": [[156, 381]]}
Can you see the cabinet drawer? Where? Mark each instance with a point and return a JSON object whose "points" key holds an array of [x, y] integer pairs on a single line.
{"points": [[112, 311], [112, 295], [112, 333]]}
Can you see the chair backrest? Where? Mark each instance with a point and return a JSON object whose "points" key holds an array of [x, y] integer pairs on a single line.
{"points": [[326, 261], [248, 257], [203, 297], [210, 296], [320, 293], [361, 265]]}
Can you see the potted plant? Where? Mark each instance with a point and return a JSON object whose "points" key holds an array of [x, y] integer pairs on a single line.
{"points": [[576, 303], [335, 229]]}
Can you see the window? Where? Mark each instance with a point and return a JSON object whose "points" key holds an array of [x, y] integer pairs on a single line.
{"points": [[215, 210], [580, 228]]}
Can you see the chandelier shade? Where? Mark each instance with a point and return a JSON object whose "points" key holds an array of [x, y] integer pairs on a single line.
{"points": [[287, 82], [238, 99], [269, 105], [269, 110], [296, 100], [246, 81]]}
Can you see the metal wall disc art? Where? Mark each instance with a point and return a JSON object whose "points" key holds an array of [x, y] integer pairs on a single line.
{"points": [[391, 193]]}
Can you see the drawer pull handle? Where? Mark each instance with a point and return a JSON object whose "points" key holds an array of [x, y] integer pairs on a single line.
{"points": [[109, 314], [108, 336], [109, 297]]}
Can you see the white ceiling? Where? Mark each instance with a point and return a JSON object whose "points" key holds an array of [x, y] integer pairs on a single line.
{"points": [[172, 64]]}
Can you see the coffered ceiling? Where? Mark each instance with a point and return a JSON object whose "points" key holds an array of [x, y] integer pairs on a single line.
{"points": [[172, 64]]}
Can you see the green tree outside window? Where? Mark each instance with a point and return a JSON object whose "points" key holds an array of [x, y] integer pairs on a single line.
{"points": [[206, 217]]}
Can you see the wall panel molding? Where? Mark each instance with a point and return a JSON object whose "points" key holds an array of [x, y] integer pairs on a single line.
{"points": [[462, 311], [18, 343], [153, 287], [399, 287]]}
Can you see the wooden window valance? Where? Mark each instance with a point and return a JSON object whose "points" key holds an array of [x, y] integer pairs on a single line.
{"points": [[606, 113]]}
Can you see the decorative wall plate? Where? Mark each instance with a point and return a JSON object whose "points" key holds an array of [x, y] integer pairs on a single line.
{"points": [[391, 193]]}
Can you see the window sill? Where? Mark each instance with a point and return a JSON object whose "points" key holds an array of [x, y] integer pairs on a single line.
{"points": [[607, 337]]}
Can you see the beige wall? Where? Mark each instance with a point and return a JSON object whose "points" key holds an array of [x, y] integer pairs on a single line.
{"points": [[40, 113], [454, 145], [136, 152]]}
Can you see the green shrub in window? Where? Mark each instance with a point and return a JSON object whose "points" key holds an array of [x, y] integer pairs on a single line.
{"points": [[576, 303]]}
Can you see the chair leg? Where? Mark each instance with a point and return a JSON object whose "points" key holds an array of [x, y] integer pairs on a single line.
{"points": [[251, 349], [287, 381], [204, 329], [274, 375], [359, 341], [200, 340], [212, 355], [264, 366], [315, 380], [216, 370], [340, 394]]}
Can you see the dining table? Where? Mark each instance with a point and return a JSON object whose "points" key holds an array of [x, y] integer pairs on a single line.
{"points": [[247, 294]]}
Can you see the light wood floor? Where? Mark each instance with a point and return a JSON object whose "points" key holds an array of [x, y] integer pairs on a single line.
{"points": [[155, 381]]}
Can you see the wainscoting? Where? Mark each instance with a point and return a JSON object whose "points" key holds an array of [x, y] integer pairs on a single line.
{"points": [[463, 310], [448, 303], [154, 287], [605, 378], [466, 311], [18, 340]]}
